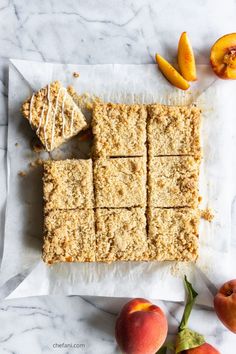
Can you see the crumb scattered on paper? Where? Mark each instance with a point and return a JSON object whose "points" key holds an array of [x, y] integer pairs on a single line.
{"points": [[36, 145], [84, 101], [16, 144], [207, 214], [22, 173], [35, 163], [76, 74]]}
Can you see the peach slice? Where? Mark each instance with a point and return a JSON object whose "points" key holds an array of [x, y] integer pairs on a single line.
{"points": [[223, 57], [171, 74], [186, 58]]}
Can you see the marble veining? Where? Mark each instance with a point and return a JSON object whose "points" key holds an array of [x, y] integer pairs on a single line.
{"points": [[45, 322], [89, 32]]}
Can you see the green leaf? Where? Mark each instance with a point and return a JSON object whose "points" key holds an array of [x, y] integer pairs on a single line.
{"points": [[191, 296], [188, 339]]}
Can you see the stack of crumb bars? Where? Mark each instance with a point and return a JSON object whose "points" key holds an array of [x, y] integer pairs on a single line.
{"points": [[137, 198]]}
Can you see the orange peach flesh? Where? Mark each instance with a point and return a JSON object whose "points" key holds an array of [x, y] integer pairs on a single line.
{"points": [[223, 57], [141, 307], [171, 74], [186, 58]]}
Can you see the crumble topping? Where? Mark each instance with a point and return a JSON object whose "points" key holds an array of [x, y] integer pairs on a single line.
{"points": [[53, 114], [174, 130], [119, 129]]}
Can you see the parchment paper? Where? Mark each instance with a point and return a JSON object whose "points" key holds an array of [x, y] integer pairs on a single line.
{"points": [[117, 83]]}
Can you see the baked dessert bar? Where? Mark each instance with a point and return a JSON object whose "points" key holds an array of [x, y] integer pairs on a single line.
{"points": [[173, 130], [173, 181], [69, 236], [120, 182], [53, 114], [68, 184], [115, 185], [121, 235], [119, 129], [173, 234]]}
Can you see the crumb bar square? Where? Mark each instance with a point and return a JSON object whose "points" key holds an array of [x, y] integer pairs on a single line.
{"points": [[119, 129], [173, 181], [69, 236], [120, 182], [173, 234], [53, 114], [68, 184], [121, 235], [173, 130]]}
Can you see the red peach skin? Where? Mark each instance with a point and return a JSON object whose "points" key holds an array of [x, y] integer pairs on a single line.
{"points": [[202, 349], [141, 327], [225, 305]]}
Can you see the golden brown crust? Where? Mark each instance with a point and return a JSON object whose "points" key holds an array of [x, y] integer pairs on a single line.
{"points": [[120, 182], [173, 181], [120, 189], [173, 130], [121, 235], [69, 236], [173, 234], [68, 184], [119, 129], [55, 120]]}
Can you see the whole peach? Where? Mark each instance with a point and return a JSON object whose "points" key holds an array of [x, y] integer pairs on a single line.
{"points": [[225, 304], [202, 349], [141, 327]]}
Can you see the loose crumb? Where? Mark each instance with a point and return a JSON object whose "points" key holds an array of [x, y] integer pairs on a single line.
{"points": [[84, 101], [35, 163], [207, 214], [22, 173], [16, 144], [36, 145], [76, 74]]}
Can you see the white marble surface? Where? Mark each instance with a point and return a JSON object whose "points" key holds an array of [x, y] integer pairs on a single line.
{"points": [[90, 31]]}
